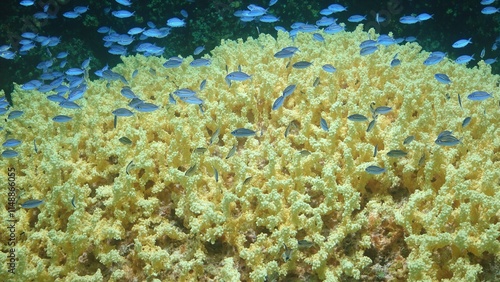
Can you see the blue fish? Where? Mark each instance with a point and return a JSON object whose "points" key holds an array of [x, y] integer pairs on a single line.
{"points": [[466, 121], [74, 71], [445, 138], [373, 169], [289, 90], [282, 54], [464, 59], [461, 43], [301, 65], [124, 2], [184, 93], [202, 84], [243, 132], [408, 140], [382, 110], [61, 118], [443, 78], [122, 112], [278, 103], [329, 68], [238, 76], [200, 63], [216, 174], [15, 114], [11, 143], [128, 93], [323, 124], [173, 62], [145, 107], [121, 14], [368, 50], [198, 50], [478, 96], [357, 118], [29, 204], [9, 154], [175, 22], [192, 100], [318, 37]]}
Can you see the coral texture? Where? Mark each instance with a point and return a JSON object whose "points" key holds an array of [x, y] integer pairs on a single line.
{"points": [[434, 214]]}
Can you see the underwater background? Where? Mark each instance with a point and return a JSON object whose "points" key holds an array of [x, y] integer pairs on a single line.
{"points": [[211, 21]]}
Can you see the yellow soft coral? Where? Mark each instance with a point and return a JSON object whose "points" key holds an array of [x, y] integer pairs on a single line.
{"points": [[153, 221]]}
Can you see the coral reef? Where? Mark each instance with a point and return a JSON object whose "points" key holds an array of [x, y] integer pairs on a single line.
{"points": [[434, 214]]}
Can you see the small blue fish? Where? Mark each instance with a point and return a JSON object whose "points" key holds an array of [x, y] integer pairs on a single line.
{"points": [[243, 132], [175, 22], [356, 18], [190, 171], [15, 114], [408, 20], [231, 152], [464, 59], [11, 143], [289, 90], [278, 103], [200, 63], [202, 84], [318, 37], [125, 141], [30, 204], [443, 78], [71, 15], [368, 50], [382, 110], [357, 118], [269, 18], [192, 100], [408, 140], [329, 68], [128, 93], [122, 112], [373, 169], [424, 16], [146, 107], [324, 124], [371, 125], [198, 50], [9, 154], [184, 93], [489, 10], [69, 105], [216, 174], [121, 14], [396, 153], [283, 54], [61, 118], [461, 43], [466, 121], [173, 62], [478, 96], [74, 71], [445, 138], [301, 65], [238, 76]]}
